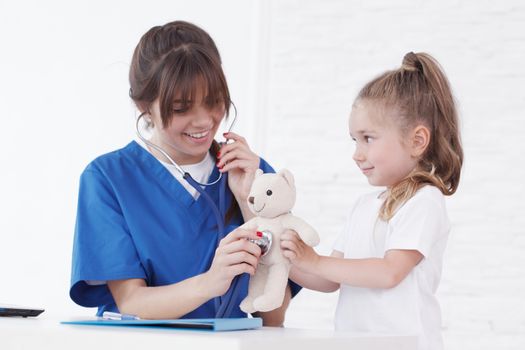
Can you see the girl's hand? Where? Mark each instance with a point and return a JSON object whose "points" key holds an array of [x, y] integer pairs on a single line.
{"points": [[240, 163], [235, 255], [300, 254]]}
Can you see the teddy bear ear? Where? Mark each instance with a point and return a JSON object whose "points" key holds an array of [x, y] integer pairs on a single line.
{"points": [[287, 174], [258, 172]]}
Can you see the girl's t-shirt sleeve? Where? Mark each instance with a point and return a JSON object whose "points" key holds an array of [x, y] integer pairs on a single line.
{"points": [[103, 248], [341, 242], [420, 223]]}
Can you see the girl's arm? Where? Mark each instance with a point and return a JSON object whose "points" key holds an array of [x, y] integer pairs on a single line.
{"points": [[311, 281], [386, 272], [234, 256]]}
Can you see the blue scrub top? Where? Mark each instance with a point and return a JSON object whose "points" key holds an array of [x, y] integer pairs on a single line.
{"points": [[135, 220]]}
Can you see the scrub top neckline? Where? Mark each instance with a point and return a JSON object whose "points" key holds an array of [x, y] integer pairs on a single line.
{"points": [[173, 185], [199, 171]]}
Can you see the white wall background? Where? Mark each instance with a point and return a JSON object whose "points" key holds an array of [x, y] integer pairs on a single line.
{"points": [[322, 52], [294, 68]]}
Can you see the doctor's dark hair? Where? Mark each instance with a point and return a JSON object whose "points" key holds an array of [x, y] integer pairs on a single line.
{"points": [[172, 62], [420, 93]]}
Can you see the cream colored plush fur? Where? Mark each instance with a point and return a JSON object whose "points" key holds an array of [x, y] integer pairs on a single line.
{"points": [[271, 198]]}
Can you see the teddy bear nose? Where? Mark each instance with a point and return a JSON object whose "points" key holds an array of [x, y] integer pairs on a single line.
{"points": [[250, 199]]}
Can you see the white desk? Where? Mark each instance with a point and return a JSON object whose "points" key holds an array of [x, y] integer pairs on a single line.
{"points": [[47, 333]]}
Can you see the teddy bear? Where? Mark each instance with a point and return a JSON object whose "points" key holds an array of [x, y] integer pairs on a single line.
{"points": [[271, 198]]}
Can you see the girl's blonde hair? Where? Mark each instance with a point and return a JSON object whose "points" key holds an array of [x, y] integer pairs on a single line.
{"points": [[420, 92]]}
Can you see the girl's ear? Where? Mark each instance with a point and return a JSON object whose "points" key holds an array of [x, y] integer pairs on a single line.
{"points": [[420, 140]]}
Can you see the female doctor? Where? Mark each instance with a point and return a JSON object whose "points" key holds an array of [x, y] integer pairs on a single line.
{"points": [[146, 239]]}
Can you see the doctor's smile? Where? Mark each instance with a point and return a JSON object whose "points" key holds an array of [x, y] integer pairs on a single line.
{"points": [[199, 137]]}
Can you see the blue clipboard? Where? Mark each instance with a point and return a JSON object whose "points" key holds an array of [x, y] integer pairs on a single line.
{"points": [[202, 324]]}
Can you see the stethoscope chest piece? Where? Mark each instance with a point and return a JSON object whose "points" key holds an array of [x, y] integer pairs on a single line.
{"points": [[265, 242]]}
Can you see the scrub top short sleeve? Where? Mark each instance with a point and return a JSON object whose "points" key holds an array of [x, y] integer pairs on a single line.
{"points": [[420, 223], [103, 248], [341, 241]]}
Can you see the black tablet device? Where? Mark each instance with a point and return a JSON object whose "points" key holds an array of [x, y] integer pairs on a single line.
{"points": [[15, 310]]}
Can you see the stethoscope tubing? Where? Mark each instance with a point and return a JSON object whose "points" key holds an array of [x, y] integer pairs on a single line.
{"points": [[223, 304]]}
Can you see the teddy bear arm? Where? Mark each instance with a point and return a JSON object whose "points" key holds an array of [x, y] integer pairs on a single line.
{"points": [[304, 230]]}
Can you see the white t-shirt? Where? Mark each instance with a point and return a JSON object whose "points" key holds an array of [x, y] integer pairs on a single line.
{"points": [[200, 172], [411, 307]]}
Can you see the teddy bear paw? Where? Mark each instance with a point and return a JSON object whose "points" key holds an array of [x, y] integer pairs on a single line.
{"points": [[247, 306], [264, 303]]}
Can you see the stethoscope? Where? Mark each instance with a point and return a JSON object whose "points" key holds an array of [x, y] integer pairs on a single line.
{"points": [[223, 304]]}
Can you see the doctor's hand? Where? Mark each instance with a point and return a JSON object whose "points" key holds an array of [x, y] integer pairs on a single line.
{"points": [[240, 163], [235, 255], [300, 254]]}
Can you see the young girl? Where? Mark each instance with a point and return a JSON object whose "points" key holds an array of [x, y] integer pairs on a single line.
{"points": [[388, 259], [146, 237]]}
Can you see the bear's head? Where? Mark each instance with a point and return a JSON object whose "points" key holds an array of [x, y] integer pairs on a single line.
{"points": [[272, 195]]}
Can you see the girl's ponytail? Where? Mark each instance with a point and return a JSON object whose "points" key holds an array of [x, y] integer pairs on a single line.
{"points": [[446, 150]]}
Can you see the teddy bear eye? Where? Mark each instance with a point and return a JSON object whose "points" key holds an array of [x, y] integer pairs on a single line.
{"points": [[269, 192]]}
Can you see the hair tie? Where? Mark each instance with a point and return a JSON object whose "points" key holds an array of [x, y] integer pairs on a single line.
{"points": [[412, 63]]}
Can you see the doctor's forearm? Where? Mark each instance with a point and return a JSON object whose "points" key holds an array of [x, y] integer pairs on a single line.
{"points": [[171, 301], [245, 211]]}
